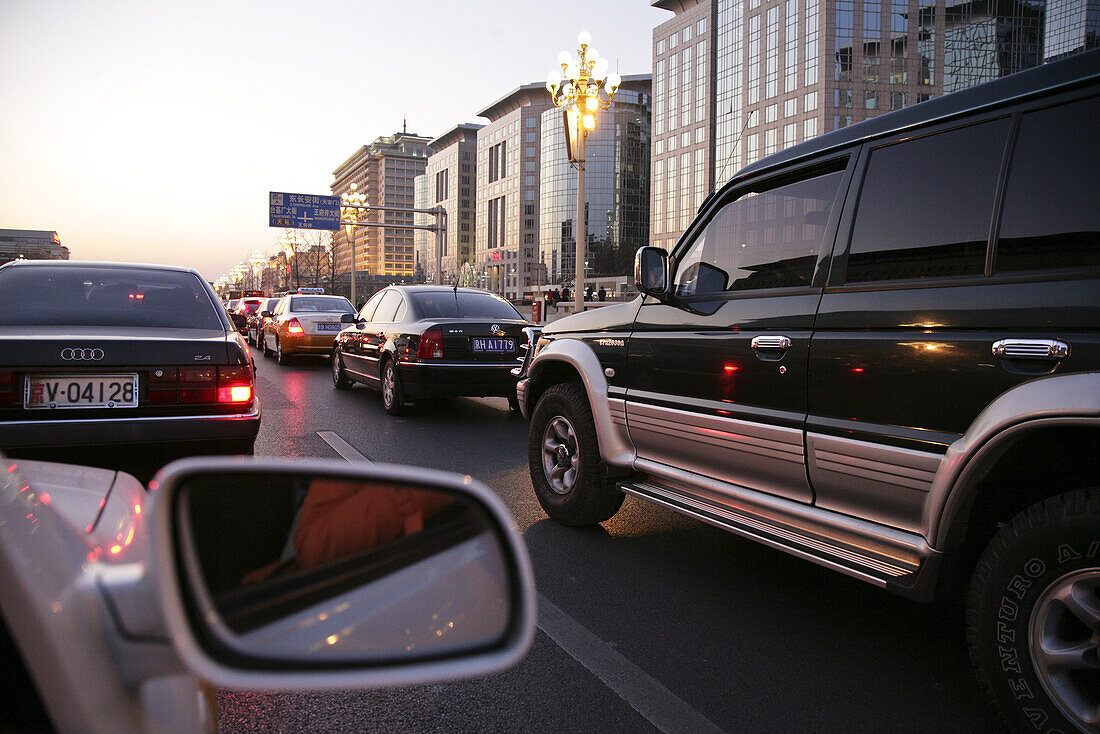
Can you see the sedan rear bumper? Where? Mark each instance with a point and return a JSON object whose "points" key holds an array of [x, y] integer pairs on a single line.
{"points": [[234, 428], [421, 380], [308, 344]]}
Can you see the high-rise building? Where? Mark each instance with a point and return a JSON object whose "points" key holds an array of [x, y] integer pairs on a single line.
{"points": [[31, 244], [737, 80], [616, 191], [507, 227], [383, 172], [449, 181]]}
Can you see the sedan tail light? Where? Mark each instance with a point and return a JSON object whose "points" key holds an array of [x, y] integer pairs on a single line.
{"points": [[294, 326], [235, 384], [430, 345], [224, 384]]}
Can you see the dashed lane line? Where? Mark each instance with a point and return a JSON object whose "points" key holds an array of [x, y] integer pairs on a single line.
{"points": [[659, 706]]}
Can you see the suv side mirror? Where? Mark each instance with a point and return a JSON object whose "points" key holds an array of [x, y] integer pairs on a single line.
{"points": [[651, 271], [284, 575]]}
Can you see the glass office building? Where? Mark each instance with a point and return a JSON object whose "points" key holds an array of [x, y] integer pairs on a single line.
{"points": [[616, 191]]}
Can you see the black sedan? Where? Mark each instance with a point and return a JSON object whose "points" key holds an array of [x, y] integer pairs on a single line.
{"points": [[141, 359], [425, 341], [254, 324]]}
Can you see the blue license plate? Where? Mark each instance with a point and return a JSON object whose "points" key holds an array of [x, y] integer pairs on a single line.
{"points": [[487, 344], [328, 326]]}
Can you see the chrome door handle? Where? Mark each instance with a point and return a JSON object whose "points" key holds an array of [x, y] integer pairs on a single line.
{"points": [[771, 343], [1051, 350]]}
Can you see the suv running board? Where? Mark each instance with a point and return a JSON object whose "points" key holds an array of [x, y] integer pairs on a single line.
{"points": [[861, 555]]}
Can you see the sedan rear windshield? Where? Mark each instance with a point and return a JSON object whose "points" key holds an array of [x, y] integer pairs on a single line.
{"points": [[456, 304], [248, 307], [326, 304], [78, 296]]}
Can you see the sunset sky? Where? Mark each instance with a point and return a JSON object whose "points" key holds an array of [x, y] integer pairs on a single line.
{"points": [[153, 132]]}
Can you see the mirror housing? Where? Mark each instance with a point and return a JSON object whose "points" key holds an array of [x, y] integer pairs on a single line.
{"points": [[368, 575], [265, 314], [651, 272], [349, 318]]}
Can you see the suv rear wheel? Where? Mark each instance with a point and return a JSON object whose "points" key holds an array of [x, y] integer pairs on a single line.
{"points": [[1033, 616], [563, 456]]}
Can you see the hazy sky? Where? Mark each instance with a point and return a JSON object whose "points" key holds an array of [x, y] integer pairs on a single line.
{"points": [[150, 131]]}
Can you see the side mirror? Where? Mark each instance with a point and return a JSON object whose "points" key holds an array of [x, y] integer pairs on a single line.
{"points": [[265, 314], [349, 318], [651, 271], [285, 575]]}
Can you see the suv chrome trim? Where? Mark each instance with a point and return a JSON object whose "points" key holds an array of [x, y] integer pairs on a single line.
{"points": [[770, 342], [1048, 349], [858, 548]]}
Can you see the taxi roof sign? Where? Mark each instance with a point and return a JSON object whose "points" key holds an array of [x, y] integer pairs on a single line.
{"points": [[303, 289]]}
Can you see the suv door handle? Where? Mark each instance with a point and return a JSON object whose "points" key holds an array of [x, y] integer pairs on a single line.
{"points": [[771, 343], [1050, 350]]}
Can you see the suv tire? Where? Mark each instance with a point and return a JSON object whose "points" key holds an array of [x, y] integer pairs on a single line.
{"points": [[563, 456], [1033, 615]]}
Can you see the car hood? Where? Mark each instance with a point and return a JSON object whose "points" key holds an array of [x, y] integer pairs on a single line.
{"points": [[607, 318], [102, 505]]}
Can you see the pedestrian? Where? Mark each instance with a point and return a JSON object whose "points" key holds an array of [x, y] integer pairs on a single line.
{"points": [[565, 294], [602, 294]]}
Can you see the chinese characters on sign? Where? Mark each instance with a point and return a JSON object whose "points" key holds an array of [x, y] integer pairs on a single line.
{"points": [[303, 211]]}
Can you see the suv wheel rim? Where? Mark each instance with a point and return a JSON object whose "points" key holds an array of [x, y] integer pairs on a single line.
{"points": [[387, 385], [1065, 644], [560, 457]]}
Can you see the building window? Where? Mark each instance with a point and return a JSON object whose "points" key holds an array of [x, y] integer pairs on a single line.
{"points": [[497, 160]]}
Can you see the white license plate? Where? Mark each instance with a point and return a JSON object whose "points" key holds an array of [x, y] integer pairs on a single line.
{"points": [[328, 326], [486, 344], [80, 391]]}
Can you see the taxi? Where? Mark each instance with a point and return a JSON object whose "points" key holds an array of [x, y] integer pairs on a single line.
{"points": [[305, 322]]}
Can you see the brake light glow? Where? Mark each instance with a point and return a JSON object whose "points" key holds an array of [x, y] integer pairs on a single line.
{"points": [[430, 345], [235, 384], [235, 394], [294, 327]]}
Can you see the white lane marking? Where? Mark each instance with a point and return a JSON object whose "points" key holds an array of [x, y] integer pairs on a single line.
{"points": [[341, 446], [660, 706]]}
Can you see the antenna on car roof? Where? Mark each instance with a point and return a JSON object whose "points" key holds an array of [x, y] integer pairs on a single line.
{"points": [[733, 149]]}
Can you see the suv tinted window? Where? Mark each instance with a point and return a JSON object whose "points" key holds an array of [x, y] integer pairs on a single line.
{"points": [[450, 304], [926, 205], [78, 296], [1051, 218], [767, 239]]}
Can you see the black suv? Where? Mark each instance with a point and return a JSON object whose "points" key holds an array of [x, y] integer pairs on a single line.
{"points": [[878, 351]]}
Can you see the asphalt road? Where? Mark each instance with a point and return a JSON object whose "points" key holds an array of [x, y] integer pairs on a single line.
{"points": [[651, 622]]}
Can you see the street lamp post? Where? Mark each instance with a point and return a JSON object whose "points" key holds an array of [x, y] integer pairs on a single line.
{"points": [[353, 203], [576, 91]]}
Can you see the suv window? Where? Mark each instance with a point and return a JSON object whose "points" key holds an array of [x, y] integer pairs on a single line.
{"points": [[926, 205], [1050, 215], [764, 239], [91, 296]]}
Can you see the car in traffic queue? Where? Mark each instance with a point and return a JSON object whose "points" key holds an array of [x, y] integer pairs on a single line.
{"points": [[254, 325], [101, 360], [304, 323], [427, 341], [903, 386], [123, 606], [245, 308]]}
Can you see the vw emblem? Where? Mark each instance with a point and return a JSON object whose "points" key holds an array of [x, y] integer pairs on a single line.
{"points": [[77, 355], [495, 328]]}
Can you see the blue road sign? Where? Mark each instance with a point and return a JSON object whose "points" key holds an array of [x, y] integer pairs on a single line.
{"points": [[303, 211]]}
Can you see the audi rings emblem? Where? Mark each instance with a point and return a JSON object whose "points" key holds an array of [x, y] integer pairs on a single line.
{"points": [[81, 355]]}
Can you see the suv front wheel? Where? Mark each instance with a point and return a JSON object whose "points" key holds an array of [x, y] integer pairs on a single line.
{"points": [[563, 456], [1033, 616]]}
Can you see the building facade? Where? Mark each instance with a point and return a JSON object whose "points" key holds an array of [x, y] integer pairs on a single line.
{"points": [[31, 244], [737, 80], [507, 191], [617, 158], [450, 182], [384, 172]]}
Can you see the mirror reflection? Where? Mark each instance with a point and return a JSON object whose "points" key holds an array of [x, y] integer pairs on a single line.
{"points": [[292, 567]]}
